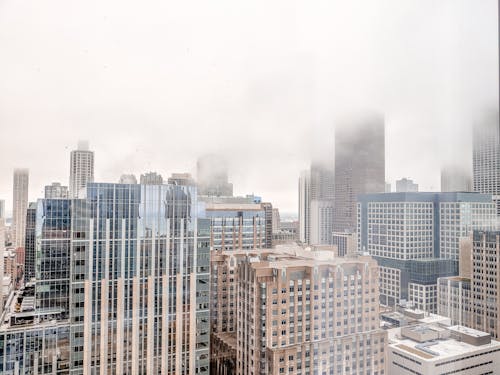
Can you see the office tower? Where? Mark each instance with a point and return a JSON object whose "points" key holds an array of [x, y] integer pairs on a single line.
{"points": [[486, 282], [29, 264], [20, 204], [56, 190], [415, 239], [276, 220], [288, 233], [140, 281], [127, 179], [268, 224], [181, 179], [321, 216], [304, 315], [359, 166], [235, 226], [429, 349], [406, 185], [212, 176], [81, 169], [2, 208], [455, 178], [346, 243], [151, 178], [486, 157], [2, 251], [315, 184], [53, 236], [305, 207], [387, 187]]}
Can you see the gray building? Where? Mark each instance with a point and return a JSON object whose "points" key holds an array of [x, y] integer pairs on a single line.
{"points": [[19, 206], [455, 178], [128, 179], [212, 176], [486, 157], [81, 170], [30, 248], [56, 190], [151, 178], [359, 166], [405, 185], [415, 237]]}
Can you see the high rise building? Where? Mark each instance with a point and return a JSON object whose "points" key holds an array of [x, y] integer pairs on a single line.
{"points": [[486, 282], [415, 238], [298, 314], [81, 170], [455, 178], [236, 226], [321, 222], [359, 166], [316, 185], [2, 208], [30, 249], [56, 190], [212, 176], [346, 243], [276, 220], [140, 281], [20, 204], [486, 157], [127, 179], [305, 207], [405, 185], [151, 178], [181, 179], [2, 250]]}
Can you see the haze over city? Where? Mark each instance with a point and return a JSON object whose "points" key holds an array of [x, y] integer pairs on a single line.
{"points": [[153, 86]]}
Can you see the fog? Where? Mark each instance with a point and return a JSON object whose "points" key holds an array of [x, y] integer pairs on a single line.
{"points": [[153, 85]]}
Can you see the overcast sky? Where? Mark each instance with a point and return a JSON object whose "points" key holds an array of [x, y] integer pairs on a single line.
{"points": [[154, 84]]}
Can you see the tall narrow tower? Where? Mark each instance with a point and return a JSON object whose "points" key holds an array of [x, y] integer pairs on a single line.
{"points": [[20, 205], [81, 169]]}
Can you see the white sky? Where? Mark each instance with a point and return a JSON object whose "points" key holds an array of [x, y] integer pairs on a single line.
{"points": [[154, 84]]}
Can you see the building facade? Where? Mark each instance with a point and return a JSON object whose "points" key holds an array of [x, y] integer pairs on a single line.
{"points": [[212, 176], [20, 205], [30, 248], [81, 169], [455, 178], [405, 185], [305, 316], [151, 178], [56, 190], [486, 156], [322, 212]]}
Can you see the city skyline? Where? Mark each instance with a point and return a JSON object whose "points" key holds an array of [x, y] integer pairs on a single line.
{"points": [[279, 104]]}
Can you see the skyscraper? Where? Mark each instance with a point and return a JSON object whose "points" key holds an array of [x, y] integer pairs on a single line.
{"points": [[81, 169], [405, 185], [359, 166], [30, 249], [212, 176], [455, 178], [127, 179], [316, 191], [20, 204], [151, 178], [486, 157], [56, 190]]}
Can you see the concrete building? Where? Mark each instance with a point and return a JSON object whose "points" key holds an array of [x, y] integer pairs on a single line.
{"points": [[81, 170], [346, 243], [306, 314], [405, 185], [2, 272], [20, 205], [455, 178], [56, 190], [415, 239], [486, 156], [305, 207], [276, 220], [236, 226], [430, 349], [359, 166], [2, 208], [486, 282], [127, 179], [212, 176], [151, 178], [321, 217]]}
